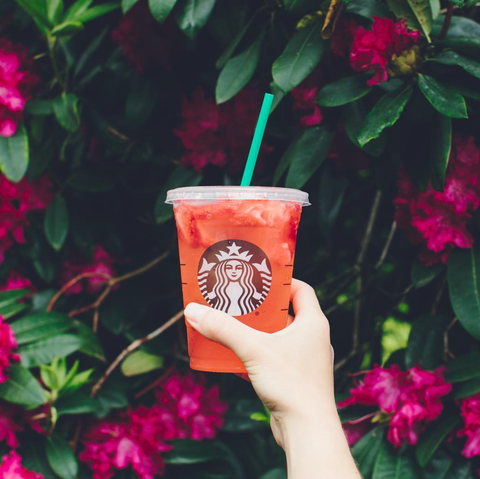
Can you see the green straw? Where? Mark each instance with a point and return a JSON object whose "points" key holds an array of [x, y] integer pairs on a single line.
{"points": [[257, 139]]}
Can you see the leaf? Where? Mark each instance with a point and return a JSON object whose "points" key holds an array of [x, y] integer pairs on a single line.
{"points": [[56, 223], [239, 413], [112, 395], [127, 5], [96, 12], [192, 15], [331, 193], [65, 108], [441, 144], [422, 275], [442, 466], [45, 350], [458, 3], [300, 6], [463, 368], [444, 100], [12, 310], [417, 12], [193, 452], [78, 403], [91, 181], [300, 57], [91, 345], [238, 71], [343, 91], [384, 114], [11, 296], [459, 27], [40, 325], [14, 154], [76, 9], [277, 473], [463, 283], [54, 10], [141, 362], [161, 8], [22, 388], [66, 28], [468, 388], [368, 9], [33, 456], [425, 343], [180, 176], [452, 58], [467, 46], [39, 106], [366, 449], [61, 458], [435, 8], [36, 9], [392, 464], [307, 155]]}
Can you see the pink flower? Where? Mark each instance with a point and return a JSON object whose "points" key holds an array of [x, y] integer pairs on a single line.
{"points": [[373, 50], [15, 281], [198, 408], [439, 220], [7, 344], [219, 135], [102, 263], [342, 36], [17, 200], [147, 44], [470, 412], [8, 426], [304, 96], [135, 439], [16, 83], [408, 399], [11, 468], [355, 430]]}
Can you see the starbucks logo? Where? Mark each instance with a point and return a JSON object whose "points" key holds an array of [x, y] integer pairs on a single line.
{"points": [[234, 276]]}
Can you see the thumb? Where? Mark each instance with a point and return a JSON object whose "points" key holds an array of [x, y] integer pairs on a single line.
{"points": [[223, 329]]}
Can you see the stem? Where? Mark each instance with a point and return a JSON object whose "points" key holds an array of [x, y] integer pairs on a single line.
{"points": [[56, 70], [369, 229], [447, 21], [155, 383], [132, 347], [446, 349], [439, 294], [388, 243], [139, 271]]}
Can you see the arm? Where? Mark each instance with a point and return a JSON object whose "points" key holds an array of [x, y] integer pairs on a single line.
{"points": [[292, 374]]}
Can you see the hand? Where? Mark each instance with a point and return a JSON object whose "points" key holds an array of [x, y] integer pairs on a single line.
{"points": [[291, 370]]}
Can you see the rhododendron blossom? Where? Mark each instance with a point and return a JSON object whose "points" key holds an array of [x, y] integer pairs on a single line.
{"points": [[7, 344], [15, 281], [198, 408], [436, 219], [219, 135], [102, 263], [11, 468], [16, 83], [409, 399], [375, 49], [8, 427], [342, 36], [304, 96], [17, 200], [470, 412]]}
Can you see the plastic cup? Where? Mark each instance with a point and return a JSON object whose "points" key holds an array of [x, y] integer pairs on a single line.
{"points": [[237, 247]]}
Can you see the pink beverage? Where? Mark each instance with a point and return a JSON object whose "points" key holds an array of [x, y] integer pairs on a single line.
{"points": [[237, 246]]}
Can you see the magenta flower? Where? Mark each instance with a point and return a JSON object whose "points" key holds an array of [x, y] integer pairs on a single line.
{"points": [[8, 426], [304, 96], [7, 344], [470, 412], [11, 468], [15, 280]]}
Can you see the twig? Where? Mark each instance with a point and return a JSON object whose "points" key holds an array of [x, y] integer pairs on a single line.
{"points": [[446, 350], [139, 271], [388, 243], [132, 347], [438, 296], [155, 383], [447, 21], [369, 229]]}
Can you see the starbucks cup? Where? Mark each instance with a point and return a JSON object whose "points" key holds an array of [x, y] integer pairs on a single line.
{"points": [[237, 247]]}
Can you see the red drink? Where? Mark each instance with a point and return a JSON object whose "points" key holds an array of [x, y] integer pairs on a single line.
{"points": [[237, 246]]}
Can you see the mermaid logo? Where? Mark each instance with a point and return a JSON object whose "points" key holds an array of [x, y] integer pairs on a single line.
{"points": [[234, 276]]}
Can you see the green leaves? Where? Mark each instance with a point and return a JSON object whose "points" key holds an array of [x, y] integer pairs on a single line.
{"points": [[422, 275], [192, 15], [444, 100], [463, 368], [61, 458], [384, 114], [443, 466], [425, 343], [392, 464], [65, 108], [305, 155], [365, 451], [238, 71], [301, 55], [417, 12], [56, 223], [161, 8], [452, 58], [193, 452], [441, 144], [40, 325], [22, 388], [141, 362], [343, 91], [464, 287], [14, 154]]}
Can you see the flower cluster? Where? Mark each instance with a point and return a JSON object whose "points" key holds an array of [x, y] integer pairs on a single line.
{"points": [[342, 36], [470, 412], [8, 343], [385, 49], [102, 263], [304, 96], [11, 468], [436, 219], [185, 408], [15, 280], [219, 134], [408, 400], [17, 200], [8, 426], [16, 83]]}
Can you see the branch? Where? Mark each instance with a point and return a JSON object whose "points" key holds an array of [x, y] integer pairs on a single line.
{"points": [[446, 349], [132, 347], [388, 243], [447, 21], [368, 231], [439, 294]]}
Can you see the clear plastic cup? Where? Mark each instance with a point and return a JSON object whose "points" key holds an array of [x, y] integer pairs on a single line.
{"points": [[237, 247]]}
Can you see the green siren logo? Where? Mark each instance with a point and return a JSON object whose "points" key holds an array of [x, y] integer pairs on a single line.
{"points": [[234, 276]]}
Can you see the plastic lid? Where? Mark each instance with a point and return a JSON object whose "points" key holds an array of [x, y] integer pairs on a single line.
{"points": [[211, 193]]}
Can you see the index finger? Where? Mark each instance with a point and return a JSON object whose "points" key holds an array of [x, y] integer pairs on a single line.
{"points": [[303, 298]]}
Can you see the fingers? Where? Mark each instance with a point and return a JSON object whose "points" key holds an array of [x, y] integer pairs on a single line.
{"points": [[223, 329], [303, 298]]}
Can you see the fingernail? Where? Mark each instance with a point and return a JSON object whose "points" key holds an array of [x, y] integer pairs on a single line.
{"points": [[195, 312]]}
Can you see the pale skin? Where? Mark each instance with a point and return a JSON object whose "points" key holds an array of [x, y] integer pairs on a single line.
{"points": [[292, 373]]}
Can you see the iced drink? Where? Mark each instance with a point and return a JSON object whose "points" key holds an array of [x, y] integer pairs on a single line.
{"points": [[236, 246]]}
